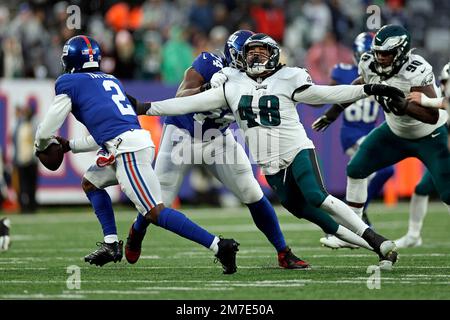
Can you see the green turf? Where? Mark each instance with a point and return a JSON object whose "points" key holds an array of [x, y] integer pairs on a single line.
{"points": [[44, 245]]}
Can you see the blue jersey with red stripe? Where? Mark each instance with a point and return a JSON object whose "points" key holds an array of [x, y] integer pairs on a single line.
{"points": [[206, 64], [359, 118], [98, 102]]}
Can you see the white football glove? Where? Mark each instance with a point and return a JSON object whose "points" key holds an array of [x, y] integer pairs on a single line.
{"points": [[218, 79]]}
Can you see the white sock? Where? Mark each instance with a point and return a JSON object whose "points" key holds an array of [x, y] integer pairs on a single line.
{"points": [[356, 190], [417, 211], [343, 215], [111, 238], [344, 234], [214, 247]]}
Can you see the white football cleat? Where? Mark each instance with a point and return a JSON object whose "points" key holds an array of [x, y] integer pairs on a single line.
{"points": [[408, 241], [334, 242]]}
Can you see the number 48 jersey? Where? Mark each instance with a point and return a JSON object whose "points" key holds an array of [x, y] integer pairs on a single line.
{"points": [[266, 112], [98, 102]]}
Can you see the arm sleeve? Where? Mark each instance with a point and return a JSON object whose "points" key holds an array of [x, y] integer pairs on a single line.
{"points": [[205, 101], [316, 94], [84, 144], [53, 120]]}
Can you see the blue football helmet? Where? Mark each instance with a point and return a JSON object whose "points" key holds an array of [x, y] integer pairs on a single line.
{"points": [[233, 48], [362, 44], [80, 52]]}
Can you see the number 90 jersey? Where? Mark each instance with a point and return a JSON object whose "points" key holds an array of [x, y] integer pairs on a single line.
{"points": [[361, 116], [98, 102], [416, 72], [267, 113]]}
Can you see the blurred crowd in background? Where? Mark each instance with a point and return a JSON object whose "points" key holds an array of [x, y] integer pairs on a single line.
{"points": [[157, 39]]}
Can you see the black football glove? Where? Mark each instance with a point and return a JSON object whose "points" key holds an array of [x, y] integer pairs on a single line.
{"points": [[140, 108], [376, 89], [64, 143], [395, 105], [321, 123], [324, 121]]}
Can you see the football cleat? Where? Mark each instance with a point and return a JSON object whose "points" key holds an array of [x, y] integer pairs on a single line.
{"points": [[288, 260], [106, 252], [5, 240], [388, 255], [334, 242], [387, 262], [227, 255], [408, 241], [133, 245]]}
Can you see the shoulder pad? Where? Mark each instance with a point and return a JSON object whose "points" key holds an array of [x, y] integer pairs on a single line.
{"points": [[417, 71], [293, 72]]}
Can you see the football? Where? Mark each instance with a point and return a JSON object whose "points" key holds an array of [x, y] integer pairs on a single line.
{"points": [[52, 157]]}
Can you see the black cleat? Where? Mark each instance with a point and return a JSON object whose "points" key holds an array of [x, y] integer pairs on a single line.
{"points": [[387, 261], [133, 245], [227, 255], [288, 260], [106, 253]]}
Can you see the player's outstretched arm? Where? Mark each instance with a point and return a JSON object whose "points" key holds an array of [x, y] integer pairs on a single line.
{"points": [[317, 94], [204, 101]]}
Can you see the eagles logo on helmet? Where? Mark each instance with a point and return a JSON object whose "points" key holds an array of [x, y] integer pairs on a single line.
{"points": [[394, 40]]}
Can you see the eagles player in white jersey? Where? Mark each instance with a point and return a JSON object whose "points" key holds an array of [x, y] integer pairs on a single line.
{"points": [[263, 99], [410, 130], [419, 200]]}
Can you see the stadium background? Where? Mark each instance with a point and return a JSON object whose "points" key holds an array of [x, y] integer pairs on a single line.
{"points": [[149, 44]]}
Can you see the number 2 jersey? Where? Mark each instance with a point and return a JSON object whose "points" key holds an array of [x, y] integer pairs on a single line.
{"points": [[98, 102], [416, 72], [360, 117], [206, 64]]}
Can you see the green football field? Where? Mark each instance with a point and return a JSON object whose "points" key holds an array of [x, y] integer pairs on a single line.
{"points": [[48, 248]]}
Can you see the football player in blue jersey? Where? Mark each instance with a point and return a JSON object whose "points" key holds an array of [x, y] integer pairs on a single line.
{"points": [[205, 137], [98, 101], [359, 119]]}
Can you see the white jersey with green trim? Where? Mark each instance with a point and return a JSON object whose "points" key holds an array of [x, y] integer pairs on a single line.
{"points": [[266, 112], [416, 72]]}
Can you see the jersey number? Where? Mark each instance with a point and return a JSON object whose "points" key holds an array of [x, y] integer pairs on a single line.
{"points": [[362, 110], [269, 111], [118, 98], [413, 66]]}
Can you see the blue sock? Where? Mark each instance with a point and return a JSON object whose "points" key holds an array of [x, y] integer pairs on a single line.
{"points": [[141, 224], [266, 220], [101, 202], [178, 223], [377, 183]]}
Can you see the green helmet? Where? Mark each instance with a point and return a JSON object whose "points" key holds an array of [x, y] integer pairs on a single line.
{"points": [[395, 39]]}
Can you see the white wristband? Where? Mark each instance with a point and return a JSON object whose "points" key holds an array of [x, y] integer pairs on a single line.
{"points": [[430, 102]]}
